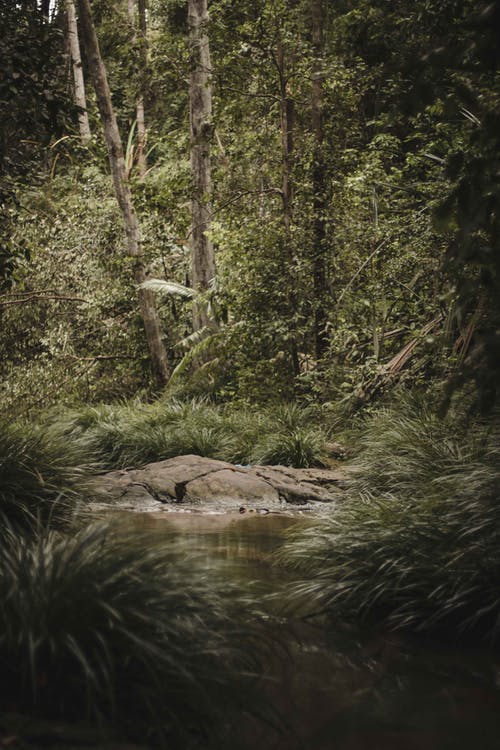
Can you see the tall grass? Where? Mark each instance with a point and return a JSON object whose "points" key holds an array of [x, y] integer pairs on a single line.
{"points": [[302, 447], [127, 435], [102, 625], [404, 447], [40, 467], [416, 544]]}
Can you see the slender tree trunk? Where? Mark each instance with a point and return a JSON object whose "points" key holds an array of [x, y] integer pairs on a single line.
{"points": [[159, 362], [78, 80], [140, 27], [318, 180], [45, 10], [287, 115], [200, 100], [141, 122]]}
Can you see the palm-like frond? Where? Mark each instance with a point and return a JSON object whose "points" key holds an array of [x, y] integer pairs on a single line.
{"points": [[194, 338], [172, 288], [204, 343]]}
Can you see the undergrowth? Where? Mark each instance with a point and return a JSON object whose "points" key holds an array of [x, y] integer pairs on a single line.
{"points": [[101, 625], [133, 434], [41, 471], [416, 543]]}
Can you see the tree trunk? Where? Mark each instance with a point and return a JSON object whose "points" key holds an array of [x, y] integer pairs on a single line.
{"points": [[200, 101], [287, 114], [45, 10], [318, 181], [79, 83], [159, 362], [142, 162]]}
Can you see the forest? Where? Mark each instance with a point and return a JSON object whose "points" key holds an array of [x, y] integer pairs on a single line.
{"points": [[263, 235]]}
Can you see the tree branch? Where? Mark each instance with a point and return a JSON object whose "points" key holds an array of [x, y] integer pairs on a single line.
{"points": [[42, 298], [99, 357]]}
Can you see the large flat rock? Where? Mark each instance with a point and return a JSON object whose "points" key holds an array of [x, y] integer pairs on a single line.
{"points": [[205, 483], [238, 487]]}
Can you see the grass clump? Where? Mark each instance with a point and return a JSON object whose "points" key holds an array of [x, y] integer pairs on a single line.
{"points": [[421, 549], [404, 447], [103, 626], [40, 467], [134, 434], [301, 447]]}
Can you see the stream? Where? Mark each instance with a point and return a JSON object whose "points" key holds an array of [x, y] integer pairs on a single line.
{"points": [[347, 689]]}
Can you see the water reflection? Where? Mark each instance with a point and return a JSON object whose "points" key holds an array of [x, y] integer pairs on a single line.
{"points": [[341, 689]]}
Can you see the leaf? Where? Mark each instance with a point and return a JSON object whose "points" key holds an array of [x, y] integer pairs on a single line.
{"points": [[194, 338], [197, 352], [168, 287]]}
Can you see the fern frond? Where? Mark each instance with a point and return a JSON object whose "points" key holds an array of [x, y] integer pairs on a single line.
{"points": [[168, 287], [196, 353], [194, 338]]}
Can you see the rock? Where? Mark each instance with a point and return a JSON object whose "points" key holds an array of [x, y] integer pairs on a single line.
{"points": [[236, 484], [205, 483], [302, 486]]}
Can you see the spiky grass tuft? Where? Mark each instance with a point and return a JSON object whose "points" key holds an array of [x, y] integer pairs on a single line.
{"points": [[134, 434], [102, 625], [40, 467], [404, 447], [421, 551], [301, 447]]}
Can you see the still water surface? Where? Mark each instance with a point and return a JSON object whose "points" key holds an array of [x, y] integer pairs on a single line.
{"points": [[344, 690]]}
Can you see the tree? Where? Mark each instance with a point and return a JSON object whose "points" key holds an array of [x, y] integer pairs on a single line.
{"points": [[287, 118], [159, 361], [79, 83], [200, 106], [139, 27], [318, 180]]}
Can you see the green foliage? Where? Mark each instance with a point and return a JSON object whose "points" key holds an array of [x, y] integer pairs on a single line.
{"points": [[74, 329], [41, 472], [407, 200], [33, 93], [415, 545], [101, 625], [471, 208], [301, 447], [135, 434], [407, 446], [35, 110]]}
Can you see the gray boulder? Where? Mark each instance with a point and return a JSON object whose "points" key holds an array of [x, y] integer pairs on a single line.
{"points": [[204, 483]]}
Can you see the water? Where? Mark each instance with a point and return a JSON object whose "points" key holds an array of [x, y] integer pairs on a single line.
{"points": [[346, 689]]}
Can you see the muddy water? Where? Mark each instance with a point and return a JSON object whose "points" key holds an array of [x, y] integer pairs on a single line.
{"points": [[344, 690]]}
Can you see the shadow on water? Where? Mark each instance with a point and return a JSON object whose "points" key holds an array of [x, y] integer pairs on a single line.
{"points": [[340, 689]]}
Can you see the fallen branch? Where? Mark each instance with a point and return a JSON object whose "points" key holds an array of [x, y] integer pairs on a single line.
{"points": [[402, 357], [99, 357], [42, 298]]}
